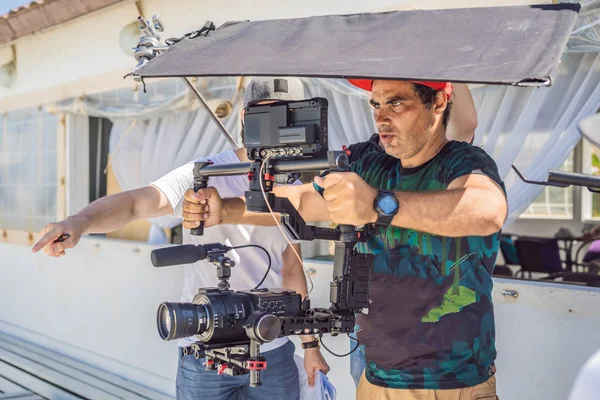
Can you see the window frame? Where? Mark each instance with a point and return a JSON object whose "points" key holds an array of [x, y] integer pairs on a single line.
{"points": [[99, 153], [576, 198], [24, 236], [586, 195]]}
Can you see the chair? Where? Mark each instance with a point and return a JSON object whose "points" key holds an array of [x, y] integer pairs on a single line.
{"points": [[590, 262], [592, 251], [582, 277], [502, 270], [538, 255], [509, 253], [509, 250]]}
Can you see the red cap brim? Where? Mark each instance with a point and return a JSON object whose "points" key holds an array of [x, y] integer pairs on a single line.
{"points": [[367, 84]]}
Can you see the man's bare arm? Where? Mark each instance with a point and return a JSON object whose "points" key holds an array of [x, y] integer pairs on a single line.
{"points": [[463, 117], [104, 215], [112, 212], [472, 205]]}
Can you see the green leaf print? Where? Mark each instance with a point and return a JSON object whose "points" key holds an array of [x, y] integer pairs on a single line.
{"points": [[455, 298], [452, 303]]}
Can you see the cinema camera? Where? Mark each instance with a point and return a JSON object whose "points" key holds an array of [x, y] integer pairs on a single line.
{"points": [[282, 137]]}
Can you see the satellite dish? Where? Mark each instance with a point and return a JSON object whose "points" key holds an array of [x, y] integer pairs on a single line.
{"points": [[590, 129], [129, 37]]}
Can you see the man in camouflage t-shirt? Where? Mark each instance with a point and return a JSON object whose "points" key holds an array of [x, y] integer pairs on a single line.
{"points": [[440, 206], [442, 284]]}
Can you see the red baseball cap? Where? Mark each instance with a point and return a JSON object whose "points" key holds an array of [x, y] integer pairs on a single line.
{"points": [[367, 84]]}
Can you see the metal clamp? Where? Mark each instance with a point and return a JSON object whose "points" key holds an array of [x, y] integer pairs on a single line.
{"points": [[149, 46], [511, 293]]}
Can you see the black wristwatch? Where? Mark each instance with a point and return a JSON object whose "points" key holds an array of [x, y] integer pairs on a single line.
{"points": [[311, 345], [386, 205]]}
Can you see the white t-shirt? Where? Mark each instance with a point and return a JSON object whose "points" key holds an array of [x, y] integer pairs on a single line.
{"points": [[250, 263]]}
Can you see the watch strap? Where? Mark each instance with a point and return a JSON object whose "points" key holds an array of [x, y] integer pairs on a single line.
{"points": [[383, 219], [311, 345]]}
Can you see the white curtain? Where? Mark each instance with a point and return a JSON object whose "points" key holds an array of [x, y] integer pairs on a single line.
{"points": [[350, 117], [143, 150], [590, 129], [536, 128], [162, 97], [586, 32]]}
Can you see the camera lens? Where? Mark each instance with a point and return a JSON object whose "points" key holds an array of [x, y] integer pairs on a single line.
{"points": [[180, 320]]}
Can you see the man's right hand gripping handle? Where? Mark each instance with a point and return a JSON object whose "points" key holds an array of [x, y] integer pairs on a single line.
{"points": [[202, 206]]}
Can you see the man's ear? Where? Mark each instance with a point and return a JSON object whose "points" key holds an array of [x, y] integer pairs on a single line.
{"points": [[441, 102]]}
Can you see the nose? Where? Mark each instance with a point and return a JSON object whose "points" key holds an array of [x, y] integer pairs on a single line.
{"points": [[381, 118]]}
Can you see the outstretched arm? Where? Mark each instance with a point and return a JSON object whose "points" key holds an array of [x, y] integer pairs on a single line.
{"points": [[471, 205], [104, 215]]}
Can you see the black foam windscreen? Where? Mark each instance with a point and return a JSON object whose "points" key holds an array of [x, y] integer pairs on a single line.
{"points": [[185, 254]]}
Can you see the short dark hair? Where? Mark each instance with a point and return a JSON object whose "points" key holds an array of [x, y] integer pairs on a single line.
{"points": [[427, 96]]}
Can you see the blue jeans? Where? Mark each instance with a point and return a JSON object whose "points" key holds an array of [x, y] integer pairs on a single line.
{"points": [[279, 380], [357, 361]]}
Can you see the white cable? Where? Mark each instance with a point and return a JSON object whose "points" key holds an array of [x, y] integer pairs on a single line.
{"points": [[262, 167]]}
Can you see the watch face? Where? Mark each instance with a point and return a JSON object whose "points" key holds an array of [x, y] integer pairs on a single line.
{"points": [[387, 204]]}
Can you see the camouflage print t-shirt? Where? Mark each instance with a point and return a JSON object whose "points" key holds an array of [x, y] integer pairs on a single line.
{"points": [[431, 321]]}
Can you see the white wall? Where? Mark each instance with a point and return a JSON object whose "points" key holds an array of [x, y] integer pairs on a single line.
{"points": [[71, 59], [97, 304], [543, 337]]}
